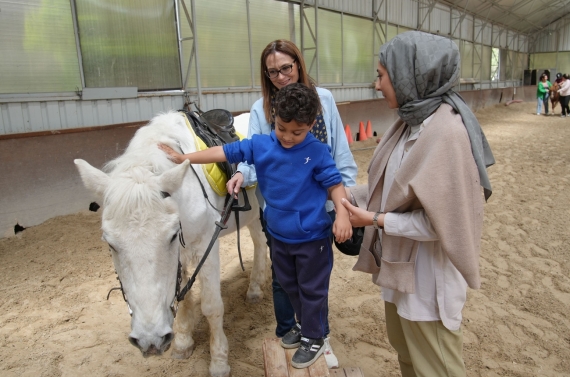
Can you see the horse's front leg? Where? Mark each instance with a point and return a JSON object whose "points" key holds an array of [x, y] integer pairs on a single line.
{"points": [[184, 326], [257, 277], [213, 310]]}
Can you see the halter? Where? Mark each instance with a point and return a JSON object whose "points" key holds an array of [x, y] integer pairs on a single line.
{"points": [[175, 301], [180, 293]]}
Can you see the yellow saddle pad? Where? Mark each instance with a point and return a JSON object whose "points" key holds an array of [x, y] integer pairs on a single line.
{"points": [[215, 176]]}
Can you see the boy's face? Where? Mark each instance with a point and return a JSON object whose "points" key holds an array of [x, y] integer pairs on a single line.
{"points": [[291, 133]]}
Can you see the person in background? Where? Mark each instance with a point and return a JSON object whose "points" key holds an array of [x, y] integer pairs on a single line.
{"points": [[564, 95], [282, 64], [423, 205], [292, 164], [542, 94]]}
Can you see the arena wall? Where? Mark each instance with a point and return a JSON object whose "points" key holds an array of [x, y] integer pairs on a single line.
{"points": [[38, 179]]}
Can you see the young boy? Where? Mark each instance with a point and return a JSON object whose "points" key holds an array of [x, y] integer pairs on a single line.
{"points": [[295, 172]]}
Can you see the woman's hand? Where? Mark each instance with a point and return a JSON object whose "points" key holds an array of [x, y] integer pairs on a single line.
{"points": [[358, 216], [172, 154], [234, 184]]}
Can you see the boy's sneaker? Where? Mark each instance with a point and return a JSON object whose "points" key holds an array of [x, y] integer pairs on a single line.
{"points": [[293, 338], [332, 361], [308, 352]]}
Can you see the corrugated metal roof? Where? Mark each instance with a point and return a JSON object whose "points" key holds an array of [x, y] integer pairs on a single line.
{"points": [[524, 16]]}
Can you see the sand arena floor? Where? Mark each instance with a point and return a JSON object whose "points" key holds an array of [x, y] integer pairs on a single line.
{"points": [[54, 278]]}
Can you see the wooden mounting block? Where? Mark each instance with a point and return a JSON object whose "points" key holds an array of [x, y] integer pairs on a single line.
{"points": [[277, 362]]}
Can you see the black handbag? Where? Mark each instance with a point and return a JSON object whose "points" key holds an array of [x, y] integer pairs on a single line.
{"points": [[352, 245]]}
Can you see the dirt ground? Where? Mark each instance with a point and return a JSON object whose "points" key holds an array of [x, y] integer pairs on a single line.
{"points": [[54, 278]]}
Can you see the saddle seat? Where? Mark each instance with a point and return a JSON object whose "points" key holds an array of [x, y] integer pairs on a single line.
{"points": [[214, 128]]}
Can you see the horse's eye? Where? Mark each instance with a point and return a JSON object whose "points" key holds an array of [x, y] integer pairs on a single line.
{"points": [[173, 237], [111, 248]]}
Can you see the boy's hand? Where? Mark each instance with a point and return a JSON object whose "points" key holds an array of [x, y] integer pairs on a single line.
{"points": [[172, 154], [342, 229], [234, 184]]}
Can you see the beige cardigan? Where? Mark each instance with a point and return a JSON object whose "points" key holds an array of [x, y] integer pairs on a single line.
{"points": [[438, 175]]}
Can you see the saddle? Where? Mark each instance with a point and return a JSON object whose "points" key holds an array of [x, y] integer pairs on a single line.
{"points": [[214, 128]]}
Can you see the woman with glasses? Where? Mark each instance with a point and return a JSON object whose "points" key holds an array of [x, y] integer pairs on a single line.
{"points": [[282, 64]]}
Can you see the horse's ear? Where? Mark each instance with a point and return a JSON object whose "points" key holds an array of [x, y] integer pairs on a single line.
{"points": [[93, 179], [171, 179]]}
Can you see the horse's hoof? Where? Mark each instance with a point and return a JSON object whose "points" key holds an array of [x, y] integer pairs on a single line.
{"points": [[182, 353], [220, 371], [254, 296]]}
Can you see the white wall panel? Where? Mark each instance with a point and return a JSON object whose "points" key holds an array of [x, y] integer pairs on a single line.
{"points": [[37, 116], [455, 24], [439, 20], [394, 14], [564, 36], [546, 42], [499, 37], [353, 94], [467, 28], [379, 6], [361, 8], [487, 34], [408, 14]]}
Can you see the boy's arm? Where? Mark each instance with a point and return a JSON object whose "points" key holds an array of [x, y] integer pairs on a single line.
{"points": [[342, 229], [213, 154]]}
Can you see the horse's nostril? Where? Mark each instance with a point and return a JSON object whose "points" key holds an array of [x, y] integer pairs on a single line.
{"points": [[167, 339], [134, 342]]}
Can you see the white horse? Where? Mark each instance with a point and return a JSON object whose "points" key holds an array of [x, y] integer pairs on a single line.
{"points": [[141, 224]]}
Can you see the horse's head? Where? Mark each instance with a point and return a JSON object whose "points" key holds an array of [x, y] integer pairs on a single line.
{"points": [[140, 222]]}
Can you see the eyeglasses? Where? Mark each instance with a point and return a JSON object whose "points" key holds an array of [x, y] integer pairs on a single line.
{"points": [[286, 69]]}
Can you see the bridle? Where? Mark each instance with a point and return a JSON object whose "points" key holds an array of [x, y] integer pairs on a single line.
{"points": [[229, 206], [175, 300], [180, 293]]}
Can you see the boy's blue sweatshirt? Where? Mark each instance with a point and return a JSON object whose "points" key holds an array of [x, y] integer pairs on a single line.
{"points": [[294, 182]]}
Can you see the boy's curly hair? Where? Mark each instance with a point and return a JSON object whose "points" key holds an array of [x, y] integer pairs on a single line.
{"points": [[297, 102]]}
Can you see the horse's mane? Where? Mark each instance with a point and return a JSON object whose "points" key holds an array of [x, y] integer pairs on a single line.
{"points": [[133, 185]]}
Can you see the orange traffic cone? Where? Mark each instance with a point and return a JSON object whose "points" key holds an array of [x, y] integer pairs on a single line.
{"points": [[361, 133], [348, 134], [369, 129]]}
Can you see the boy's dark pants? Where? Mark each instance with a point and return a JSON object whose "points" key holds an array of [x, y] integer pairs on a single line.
{"points": [[304, 271]]}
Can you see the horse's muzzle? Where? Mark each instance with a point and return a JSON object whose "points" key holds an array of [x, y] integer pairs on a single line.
{"points": [[154, 350]]}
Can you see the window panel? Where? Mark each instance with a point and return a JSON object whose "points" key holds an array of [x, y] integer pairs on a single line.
{"points": [[564, 62], [466, 53], [309, 48], [392, 31], [38, 54], [486, 57], [129, 43], [330, 48], [359, 62], [543, 60], [271, 20], [223, 43]]}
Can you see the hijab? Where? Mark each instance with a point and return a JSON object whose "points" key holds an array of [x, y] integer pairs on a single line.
{"points": [[423, 69]]}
